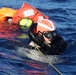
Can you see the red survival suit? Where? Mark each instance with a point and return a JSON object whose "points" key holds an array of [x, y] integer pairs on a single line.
{"points": [[7, 29], [28, 11]]}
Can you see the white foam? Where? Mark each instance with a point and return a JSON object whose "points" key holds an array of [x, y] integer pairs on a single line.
{"points": [[35, 55]]}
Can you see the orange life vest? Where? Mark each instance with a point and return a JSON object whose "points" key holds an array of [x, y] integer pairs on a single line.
{"points": [[6, 12], [28, 11], [4, 24]]}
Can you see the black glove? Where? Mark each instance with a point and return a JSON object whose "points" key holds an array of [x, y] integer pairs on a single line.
{"points": [[40, 39]]}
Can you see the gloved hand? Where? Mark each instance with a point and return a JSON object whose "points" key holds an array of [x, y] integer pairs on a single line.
{"points": [[40, 39]]}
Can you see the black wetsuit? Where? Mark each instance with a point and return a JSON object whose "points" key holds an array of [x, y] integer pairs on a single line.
{"points": [[57, 46]]}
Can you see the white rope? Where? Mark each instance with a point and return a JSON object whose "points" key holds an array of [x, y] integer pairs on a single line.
{"points": [[48, 60]]}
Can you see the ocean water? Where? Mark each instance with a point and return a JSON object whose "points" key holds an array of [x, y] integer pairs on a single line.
{"points": [[63, 13]]}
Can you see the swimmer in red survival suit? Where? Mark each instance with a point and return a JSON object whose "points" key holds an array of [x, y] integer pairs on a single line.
{"points": [[44, 34]]}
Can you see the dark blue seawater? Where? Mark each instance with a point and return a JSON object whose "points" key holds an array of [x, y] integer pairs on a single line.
{"points": [[63, 13]]}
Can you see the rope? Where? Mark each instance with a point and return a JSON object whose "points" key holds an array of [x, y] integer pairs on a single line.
{"points": [[48, 60]]}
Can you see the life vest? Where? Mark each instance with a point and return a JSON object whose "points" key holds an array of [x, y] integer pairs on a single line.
{"points": [[2, 18], [6, 12], [5, 26], [28, 11]]}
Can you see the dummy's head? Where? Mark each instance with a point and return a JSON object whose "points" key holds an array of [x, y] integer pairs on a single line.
{"points": [[47, 28], [25, 23]]}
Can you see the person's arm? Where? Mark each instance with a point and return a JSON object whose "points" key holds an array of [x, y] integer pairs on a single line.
{"points": [[35, 37], [48, 49], [56, 47], [31, 34]]}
